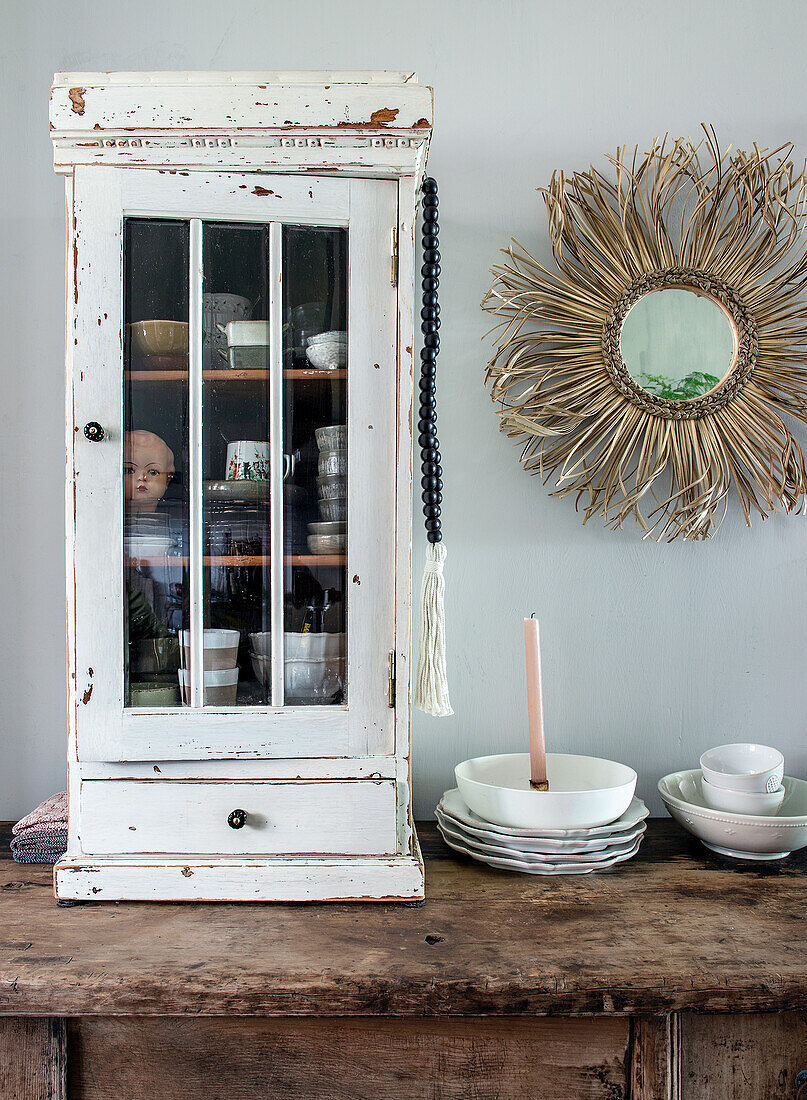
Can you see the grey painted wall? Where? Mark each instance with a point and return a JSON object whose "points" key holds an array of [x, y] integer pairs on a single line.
{"points": [[651, 653]]}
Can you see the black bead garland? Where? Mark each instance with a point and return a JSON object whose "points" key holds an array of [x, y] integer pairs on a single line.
{"points": [[431, 480]]}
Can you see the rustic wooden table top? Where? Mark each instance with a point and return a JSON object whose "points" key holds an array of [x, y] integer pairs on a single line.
{"points": [[674, 928]]}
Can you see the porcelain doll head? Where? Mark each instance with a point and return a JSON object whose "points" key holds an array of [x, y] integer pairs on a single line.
{"points": [[148, 466]]}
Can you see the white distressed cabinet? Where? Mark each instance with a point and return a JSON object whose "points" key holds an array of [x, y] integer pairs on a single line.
{"points": [[240, 346]]}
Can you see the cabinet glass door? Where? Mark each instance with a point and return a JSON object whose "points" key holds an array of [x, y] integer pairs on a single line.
{"points": [[259, 372], [237, 575]]}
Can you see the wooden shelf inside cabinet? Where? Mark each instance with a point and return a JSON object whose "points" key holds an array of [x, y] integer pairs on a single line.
{"points": [[242, 559], [292, 375]]}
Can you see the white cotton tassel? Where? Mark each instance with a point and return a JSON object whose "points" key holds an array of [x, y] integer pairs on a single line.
{"points": [[431, 684]]}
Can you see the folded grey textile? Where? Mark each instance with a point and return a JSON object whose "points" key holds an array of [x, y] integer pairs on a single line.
{"points": [[51, 813], [44, 847]]}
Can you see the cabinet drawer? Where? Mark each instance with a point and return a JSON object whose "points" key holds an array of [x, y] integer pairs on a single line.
{"points": [[330, 817]]}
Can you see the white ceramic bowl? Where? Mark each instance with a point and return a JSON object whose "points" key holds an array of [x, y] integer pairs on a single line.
{"points": [[315, 680], [584, 791], [261, 643], [744, 836], [221, 648], [160, 337], [744, 767], [335, 509], [311, 645], [332, 462], [333, 336], [324, 527], [333, 437], [327, 544], [220, 686], [328, 355], [742, 802], [331, 485]]}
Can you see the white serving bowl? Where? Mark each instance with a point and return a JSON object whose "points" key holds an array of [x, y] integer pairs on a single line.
{"points": [[313, 680], [742, 802], [744, 836], [743, 767], [312, 646], [584, 791]]}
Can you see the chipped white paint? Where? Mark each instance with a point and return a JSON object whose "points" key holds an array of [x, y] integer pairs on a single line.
{"points": [[150, 788]]}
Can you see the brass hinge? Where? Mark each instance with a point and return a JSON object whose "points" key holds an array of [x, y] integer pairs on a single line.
{"points": [[391, 679], [394, 253]]}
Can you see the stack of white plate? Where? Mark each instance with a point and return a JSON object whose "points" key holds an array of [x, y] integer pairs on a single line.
{"points": [[540, 851]]}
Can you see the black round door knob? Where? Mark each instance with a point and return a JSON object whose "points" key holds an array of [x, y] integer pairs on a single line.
{"points": [[237, 819], [93, 431]]}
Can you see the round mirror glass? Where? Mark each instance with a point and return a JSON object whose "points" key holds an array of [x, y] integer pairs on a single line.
{"points": [[677, 343]]}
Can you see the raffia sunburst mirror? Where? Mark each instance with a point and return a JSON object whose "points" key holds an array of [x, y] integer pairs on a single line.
{"points": [[649, 373]]}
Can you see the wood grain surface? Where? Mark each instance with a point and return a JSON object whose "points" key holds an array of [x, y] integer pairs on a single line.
{"points": [[32, 1058], [739, 1056], [347, 1059], [675, 928]]}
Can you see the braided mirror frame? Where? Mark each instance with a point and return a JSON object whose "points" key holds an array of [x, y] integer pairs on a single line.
{"points": [[745, 333], [731, 226]]}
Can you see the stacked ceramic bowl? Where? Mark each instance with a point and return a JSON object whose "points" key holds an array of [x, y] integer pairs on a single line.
{"points": [[589, 820], [327, 350], [740, 803], [329, 535], [313, 664], [220, 667]]}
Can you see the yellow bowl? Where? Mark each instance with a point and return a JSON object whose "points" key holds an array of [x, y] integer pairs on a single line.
{"points": [[160, 337]]}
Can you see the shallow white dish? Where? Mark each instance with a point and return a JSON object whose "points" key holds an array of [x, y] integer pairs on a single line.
{"points": [[743, 836], [452, 805], [743, 767], [530, 855], [584, 791], [506, 863], [742, 802], [547, 845]]}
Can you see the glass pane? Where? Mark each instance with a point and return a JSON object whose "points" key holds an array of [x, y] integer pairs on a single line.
{"points": [[315, 450], [155, 458], [235, 465]]}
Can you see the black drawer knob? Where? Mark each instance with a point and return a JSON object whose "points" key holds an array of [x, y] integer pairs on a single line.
{"points": [[94, 432], [237, 819]]}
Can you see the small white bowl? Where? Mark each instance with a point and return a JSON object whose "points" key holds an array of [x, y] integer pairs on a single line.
{"points": [[331, 437], [584, 791], [743, 836], [329, 355], [332, 462], [333, 510], [331, 485], [327, 544], [744, 767], [742, 802]]}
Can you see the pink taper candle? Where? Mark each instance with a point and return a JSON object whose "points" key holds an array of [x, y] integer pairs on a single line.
{"points": [[535, 706]]}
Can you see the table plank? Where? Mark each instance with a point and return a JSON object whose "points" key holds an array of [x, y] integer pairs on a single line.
{"points": [[675, 928], [346, 1059]]}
